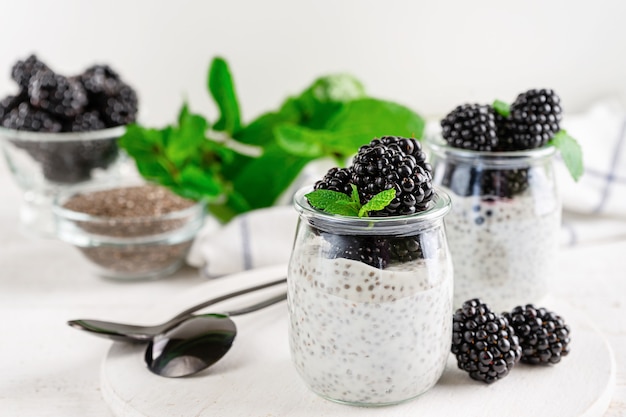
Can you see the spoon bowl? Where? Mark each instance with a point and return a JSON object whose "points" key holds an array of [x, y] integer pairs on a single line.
{"points": [[192, 346], [197, 342]]}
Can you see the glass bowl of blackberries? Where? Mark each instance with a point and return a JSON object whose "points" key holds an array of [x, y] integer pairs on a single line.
{"points": [[61, 131]]}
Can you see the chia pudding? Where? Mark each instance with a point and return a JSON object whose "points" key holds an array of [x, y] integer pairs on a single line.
{"points": [[503, 228], [504, 251], [365, 335]]}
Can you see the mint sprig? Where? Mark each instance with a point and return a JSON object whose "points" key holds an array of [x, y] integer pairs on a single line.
{"points": [[240, 166], [334, 202]]}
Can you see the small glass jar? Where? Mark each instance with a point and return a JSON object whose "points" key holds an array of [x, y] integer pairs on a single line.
{"points": [[503, 229], [370, 303]]}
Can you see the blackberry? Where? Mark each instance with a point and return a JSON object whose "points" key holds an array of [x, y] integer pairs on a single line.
{"points": [[336, 179], [483, 342], [26, 117], [100, 79], [120, 108], [23, 71], [471, 126], [535, 118], [393, 162], [465, 180], [544, 336], [504, 183], [372, 251], [56, 94], [405, 249], [85, 122]]}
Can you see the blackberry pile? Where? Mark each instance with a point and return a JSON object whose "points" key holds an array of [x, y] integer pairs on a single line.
{"points": [[385, 163], [50, 102], [534, 119], [543, 334], [96, 94], [484, 343]]}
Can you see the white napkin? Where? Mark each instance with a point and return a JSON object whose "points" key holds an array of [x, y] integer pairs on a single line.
{"points": [[594, 208], [601, 132], [252, 240]]}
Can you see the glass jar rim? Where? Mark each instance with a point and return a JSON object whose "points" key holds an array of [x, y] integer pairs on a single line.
{"points": [[440, 147], [405, 225], [28, 136]]}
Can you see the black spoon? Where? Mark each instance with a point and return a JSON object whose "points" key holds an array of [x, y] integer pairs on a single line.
{"points": [[131, 333], [197, 343]]}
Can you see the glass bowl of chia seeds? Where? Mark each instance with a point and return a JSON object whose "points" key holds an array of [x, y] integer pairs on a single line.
{"points": [[44, 164], [129, 231]]}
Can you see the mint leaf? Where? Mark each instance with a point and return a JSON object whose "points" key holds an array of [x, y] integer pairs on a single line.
{"points": [[502, 108], [334, 202], [571, 153], [378, 202], [301, 141], [361, 120], [222, 88], [321, 199]]}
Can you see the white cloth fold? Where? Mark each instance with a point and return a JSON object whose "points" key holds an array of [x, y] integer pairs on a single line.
{"points": [[252, 240], [601, 133]]}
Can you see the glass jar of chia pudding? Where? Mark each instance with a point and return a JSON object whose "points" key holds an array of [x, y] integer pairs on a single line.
{"points": [[503, 228], [370, 303]]}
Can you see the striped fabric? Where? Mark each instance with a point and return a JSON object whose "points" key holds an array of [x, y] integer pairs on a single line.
{"points": [[594, 208]]}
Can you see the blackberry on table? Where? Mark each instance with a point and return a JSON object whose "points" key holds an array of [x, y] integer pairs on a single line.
{"points": [[471, 126], [544, 336], [56, 94], [483, 342], [336, 179], [23, 71], [535, 118], [26, 117], [383, 164]]}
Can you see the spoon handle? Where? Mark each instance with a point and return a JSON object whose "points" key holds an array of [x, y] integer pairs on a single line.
{"points": [[216, 300], [258, 306]]}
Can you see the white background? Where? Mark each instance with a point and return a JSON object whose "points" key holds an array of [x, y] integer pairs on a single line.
{"points": [[429, 55]]}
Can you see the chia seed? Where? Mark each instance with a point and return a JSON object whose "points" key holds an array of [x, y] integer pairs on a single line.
{"points": [[363, 335], [134, 213]]}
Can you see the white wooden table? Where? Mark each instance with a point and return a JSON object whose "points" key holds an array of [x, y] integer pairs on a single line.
{"points": [[49, 369]]}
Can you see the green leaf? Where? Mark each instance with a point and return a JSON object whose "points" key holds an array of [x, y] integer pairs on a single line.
{"points": [[300, 141], [264, 179], [362, 120], [378, 202], [321, 199], [502, 108], [571, 153], [260, 132], [222, 88], [355, 194]]}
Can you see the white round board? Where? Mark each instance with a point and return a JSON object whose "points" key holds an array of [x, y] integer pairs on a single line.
{"points": [[256, 378]]}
